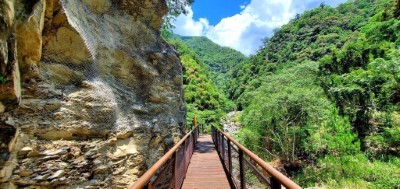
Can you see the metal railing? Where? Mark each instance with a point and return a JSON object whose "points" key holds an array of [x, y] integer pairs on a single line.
{"points": [[170, 170], [244, 168]]}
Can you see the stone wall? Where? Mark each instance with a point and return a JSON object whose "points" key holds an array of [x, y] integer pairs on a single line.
{"points": [[91, 95]]}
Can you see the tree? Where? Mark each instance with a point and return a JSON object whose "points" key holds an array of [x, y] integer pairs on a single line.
{"points": [[298, 15], [175, 8], [265, 41], [322, 5], [202, 97], [397, 9]]}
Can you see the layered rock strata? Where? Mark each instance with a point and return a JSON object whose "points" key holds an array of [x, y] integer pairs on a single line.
{"points": [[91, 95]]}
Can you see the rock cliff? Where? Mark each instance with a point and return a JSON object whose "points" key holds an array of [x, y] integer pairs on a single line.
{"points": [[90, 93]]}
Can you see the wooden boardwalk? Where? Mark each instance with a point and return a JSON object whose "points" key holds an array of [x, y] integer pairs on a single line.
{"points": [[205, 168]]}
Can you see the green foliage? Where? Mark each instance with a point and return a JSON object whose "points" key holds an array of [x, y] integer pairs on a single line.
{"points": [[202, 97], [167, 27], [244, 78], [219, 59], [295, 119], [323, 96], [367, 92], [2, 79], [351, 171], [285, 108], [332, 136], [175, 7], [310, 36], [396, 12]]}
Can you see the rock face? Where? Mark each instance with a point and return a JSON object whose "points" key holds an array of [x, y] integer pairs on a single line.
{"points": [[9, 69], [100, 95], [231, 123]]}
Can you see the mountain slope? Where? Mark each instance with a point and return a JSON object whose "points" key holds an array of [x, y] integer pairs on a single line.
{"points": [[309, 36], [203, 98], [322, 96], [219, 59]]}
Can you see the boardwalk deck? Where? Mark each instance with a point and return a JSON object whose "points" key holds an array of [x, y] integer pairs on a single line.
{"points": [[205, 168]]}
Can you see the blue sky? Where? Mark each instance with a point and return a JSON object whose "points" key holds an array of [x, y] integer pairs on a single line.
{"points": [[215, 10], [241, 24]]}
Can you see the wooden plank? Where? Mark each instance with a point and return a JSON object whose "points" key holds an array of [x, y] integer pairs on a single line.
{"points": [[205, 168]]}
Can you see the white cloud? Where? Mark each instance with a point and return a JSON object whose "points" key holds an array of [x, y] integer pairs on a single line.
{"points": [[245, 30], [186, 26]]}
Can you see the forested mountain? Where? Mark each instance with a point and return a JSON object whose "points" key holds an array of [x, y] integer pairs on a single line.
{"points": [[219, 59], [309, 36], [202, 97], [322, 97]]}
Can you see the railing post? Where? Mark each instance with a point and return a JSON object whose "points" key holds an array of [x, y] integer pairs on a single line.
{"points": [[192, 145], [184, 158], [175, 165], [216, 141], [275, 184], [229, 157], [215, 135], [219, 142], [212, 134], [195, 135], [223, 148], [242, 173], [222, 140]]}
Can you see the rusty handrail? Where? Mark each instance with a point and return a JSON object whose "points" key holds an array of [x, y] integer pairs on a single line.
{"points": [[145, 180], [277, 178]]}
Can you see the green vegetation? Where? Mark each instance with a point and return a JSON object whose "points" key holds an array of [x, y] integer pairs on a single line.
{"points": [[175, 7], [202, 97], [309, 36], [219, 59], [322, 96]]}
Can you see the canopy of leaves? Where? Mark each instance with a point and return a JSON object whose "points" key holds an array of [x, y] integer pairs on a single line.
{"points": [[310, 36], [202, 97], [322, 96], [175, 8], [325, 88], [294, 118], [219, 59]]}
